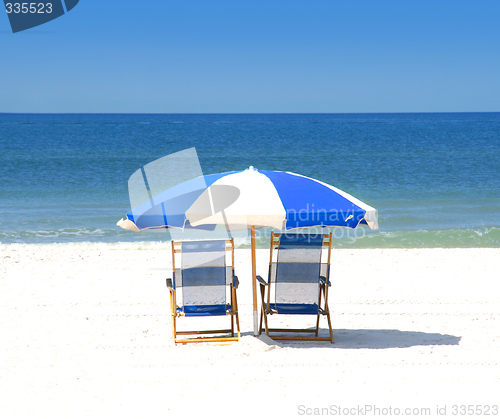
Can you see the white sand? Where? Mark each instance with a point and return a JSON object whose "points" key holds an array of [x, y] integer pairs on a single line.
{"points": [[85, 332]]}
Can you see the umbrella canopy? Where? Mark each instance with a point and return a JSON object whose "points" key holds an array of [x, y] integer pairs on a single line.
{"points": [[284, 201], [252, 199], [262, 198]]}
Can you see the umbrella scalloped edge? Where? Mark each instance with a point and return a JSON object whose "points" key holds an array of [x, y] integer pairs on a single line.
{"points": [[128, 225]]}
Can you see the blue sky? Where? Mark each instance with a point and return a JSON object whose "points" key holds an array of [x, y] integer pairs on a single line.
{"points": [[256, 56]]}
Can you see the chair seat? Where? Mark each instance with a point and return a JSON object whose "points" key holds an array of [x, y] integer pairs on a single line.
{"points": [[282, 308], [205, 310]]}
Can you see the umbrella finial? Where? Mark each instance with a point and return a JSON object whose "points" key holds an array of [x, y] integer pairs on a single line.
{"points": [[252, 169]]}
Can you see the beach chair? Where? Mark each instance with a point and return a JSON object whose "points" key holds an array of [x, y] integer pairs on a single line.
{"points": [[298, 282], [205, 286]]}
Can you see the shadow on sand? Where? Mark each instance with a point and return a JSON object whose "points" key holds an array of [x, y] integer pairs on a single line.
{"points": [[372, 339]]}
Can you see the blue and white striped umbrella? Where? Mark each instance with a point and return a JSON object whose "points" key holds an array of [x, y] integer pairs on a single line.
{"points": [[251, 199], [259, 198]]}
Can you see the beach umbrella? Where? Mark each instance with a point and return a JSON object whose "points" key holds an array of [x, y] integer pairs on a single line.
{"points": [[252, 199]]}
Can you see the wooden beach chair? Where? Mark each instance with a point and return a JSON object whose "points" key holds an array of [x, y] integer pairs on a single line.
{"points": [[205, 285], [297, 282]]}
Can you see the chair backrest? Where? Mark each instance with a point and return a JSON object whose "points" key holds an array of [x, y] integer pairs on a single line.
{"points": [[203, 274], [298, 268]]}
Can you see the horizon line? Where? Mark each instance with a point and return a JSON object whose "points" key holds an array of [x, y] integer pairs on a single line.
{"points": [[243, 113]]}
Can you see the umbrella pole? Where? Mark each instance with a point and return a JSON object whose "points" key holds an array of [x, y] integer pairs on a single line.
{"points": [[254, 284]]}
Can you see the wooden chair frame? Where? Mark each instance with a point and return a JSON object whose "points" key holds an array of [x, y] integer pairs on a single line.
{"points": [[323, 293], [176, 248]]}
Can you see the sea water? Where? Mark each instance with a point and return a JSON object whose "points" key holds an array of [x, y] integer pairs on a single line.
{"points": [[434, 178]]}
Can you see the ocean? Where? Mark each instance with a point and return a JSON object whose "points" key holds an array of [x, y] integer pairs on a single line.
{"points": [[433, 177]]}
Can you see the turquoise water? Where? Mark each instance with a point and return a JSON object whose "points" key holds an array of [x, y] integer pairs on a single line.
{"points": [[434, 178]]}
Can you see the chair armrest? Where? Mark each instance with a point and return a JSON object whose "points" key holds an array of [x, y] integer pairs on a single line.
{"points": [[236, 282], [323, 281], [169, 283], [261, 280]]}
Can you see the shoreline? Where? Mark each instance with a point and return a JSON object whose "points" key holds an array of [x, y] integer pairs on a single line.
{"points": [[140, 245]]}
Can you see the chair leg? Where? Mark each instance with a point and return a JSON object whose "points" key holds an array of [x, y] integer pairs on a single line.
{"points": [[325, 291], [330, 326], [265, 323], [236, 313], [261, 317], [329, 320], [234, 305], [317, 320], [172, 312], [232, 311], [263, 310]]}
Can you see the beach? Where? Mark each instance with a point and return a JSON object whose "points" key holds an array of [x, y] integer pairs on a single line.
{"points": [[370, 127], [86, 332]]}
